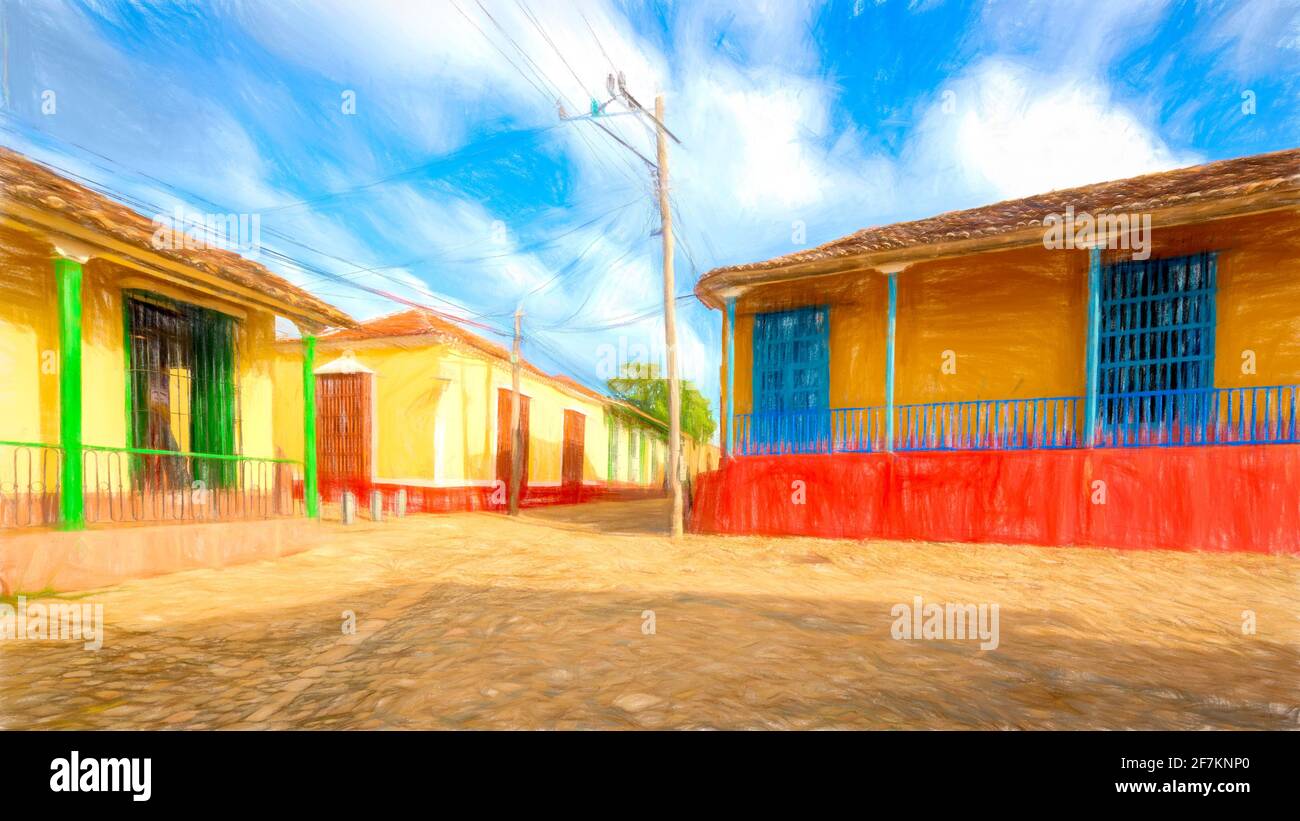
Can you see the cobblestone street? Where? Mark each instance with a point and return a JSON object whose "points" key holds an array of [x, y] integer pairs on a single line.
{"points": [[478, 621]]}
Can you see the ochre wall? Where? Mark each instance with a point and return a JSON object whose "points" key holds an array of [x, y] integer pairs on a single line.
{"points": [[1015, 323], [744, 365], [857, 341], [1016, 320]]}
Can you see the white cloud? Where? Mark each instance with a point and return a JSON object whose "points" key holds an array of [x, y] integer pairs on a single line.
{"points": [[1012, 132], [767, 146], [423, 64]]}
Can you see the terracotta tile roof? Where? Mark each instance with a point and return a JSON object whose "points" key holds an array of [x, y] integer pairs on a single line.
{"points": [[27, 182], [1222, 180], [417, 322]]}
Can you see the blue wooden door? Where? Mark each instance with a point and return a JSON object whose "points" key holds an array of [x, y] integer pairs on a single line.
{"points": [[792, 380]]}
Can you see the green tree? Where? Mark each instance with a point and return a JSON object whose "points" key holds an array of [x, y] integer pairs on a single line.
{"points": [[641, 386]]}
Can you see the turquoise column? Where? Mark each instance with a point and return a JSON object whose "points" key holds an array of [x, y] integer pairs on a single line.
{"points": [[72, 511], [730, 342], [889, 362], [1093, 355]]}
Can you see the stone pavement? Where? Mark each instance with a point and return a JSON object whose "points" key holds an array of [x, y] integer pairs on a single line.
{"points": [[478, 621]]}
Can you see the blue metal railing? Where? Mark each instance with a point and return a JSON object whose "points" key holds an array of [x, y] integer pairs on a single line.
{"points": [[996, 424], [838, 430], [1210, 416], [1204, 416]]}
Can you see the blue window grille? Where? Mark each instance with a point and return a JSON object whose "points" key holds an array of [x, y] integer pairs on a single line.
{"points": [[791, 380], [1156, 346]]}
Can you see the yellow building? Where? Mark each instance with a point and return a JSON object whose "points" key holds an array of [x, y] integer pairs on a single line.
{"points": [[413, 402], [1103, 323], [136, 379]]}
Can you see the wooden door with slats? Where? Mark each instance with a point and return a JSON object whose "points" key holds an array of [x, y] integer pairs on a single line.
{"points": [[504, 438], [571, 459], [343, 431]]}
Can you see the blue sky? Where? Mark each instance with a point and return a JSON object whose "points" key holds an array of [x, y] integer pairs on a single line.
{"points": [[457, 185]]}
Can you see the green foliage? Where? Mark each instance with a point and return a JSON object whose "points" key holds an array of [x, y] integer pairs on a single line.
{"points": [[642, 387]]}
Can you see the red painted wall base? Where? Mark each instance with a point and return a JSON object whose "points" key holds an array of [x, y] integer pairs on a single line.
{"points": [[1233, 498], [421, 499]]}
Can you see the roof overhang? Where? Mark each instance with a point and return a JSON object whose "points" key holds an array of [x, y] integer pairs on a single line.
{"points": [[720, 284], [66, 236]]}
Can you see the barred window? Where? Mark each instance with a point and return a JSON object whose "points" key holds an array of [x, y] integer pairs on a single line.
{"points": [[184, 392], [791, 360], [1157, 336]]}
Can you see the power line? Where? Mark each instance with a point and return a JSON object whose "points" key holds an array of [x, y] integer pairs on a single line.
{"points": [[457, 156], [648, 312], [501, 255], [645, 229], [145, 205], [599, 44], [319, 273], [537, 24], [543, 78], [539, 76], [498, 48], [565, 270], [343, 279]]}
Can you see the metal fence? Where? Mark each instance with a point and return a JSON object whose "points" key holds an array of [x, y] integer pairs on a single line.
{"points": [[142, 485], [29, 484], [139, 485], [1209, 416]]}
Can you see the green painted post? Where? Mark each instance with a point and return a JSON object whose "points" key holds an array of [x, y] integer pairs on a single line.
{"points": [[643, 461], [310, 486], [611, 428], [72, 510]]}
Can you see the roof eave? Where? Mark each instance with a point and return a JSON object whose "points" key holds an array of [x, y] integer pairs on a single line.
{"points": [[52, 227], [715, 286]]}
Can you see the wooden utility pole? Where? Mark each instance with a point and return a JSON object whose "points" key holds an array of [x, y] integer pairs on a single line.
{"points": [[670, 329], [618, 90], [516, 432]]}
